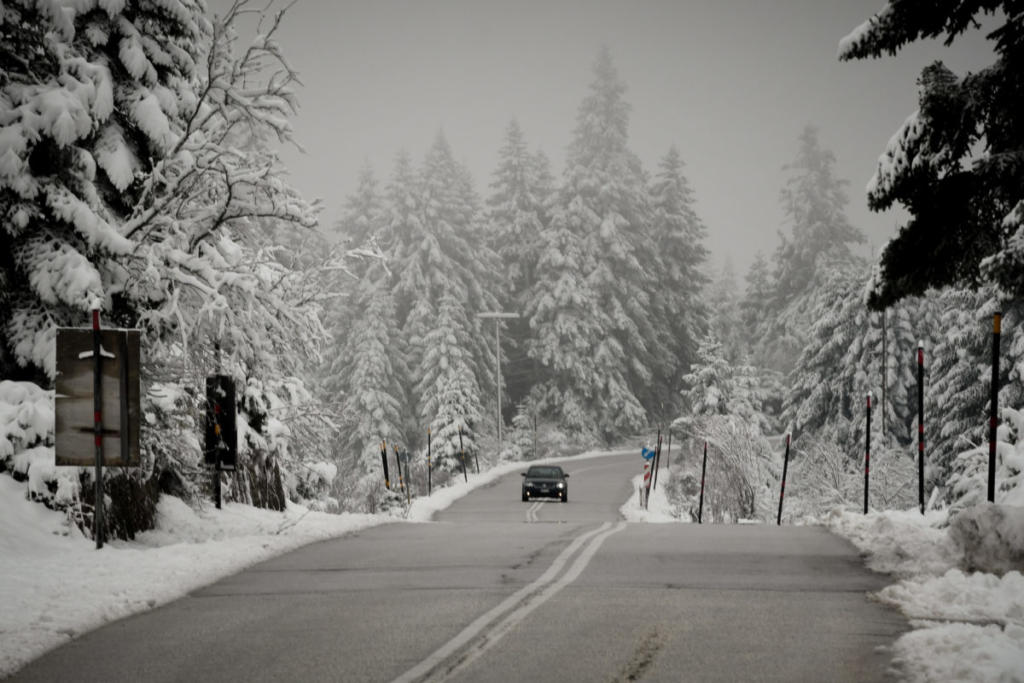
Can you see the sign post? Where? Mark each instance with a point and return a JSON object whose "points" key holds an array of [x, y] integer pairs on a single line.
{"points": [[429, 474], [96, 419]]}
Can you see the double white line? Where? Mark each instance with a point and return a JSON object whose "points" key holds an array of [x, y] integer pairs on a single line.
{"points": [[481, 635], [531, 514]]}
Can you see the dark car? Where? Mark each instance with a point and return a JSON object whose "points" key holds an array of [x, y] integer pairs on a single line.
{"points": [[545, 481]]}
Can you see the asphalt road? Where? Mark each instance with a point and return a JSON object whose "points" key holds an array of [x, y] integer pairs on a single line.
{"points": [[500, 590]]}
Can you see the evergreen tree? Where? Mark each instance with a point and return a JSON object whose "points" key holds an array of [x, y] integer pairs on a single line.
{"points": [[754, 304], [844, 358], [372, 378], [446, 381], [517, 212], [679, 234], [814, 202], [436, 252], [954, 163], [596, 337], [724, 313]]}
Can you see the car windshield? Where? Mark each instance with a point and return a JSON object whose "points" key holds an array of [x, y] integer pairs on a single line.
{"points": [[545, 472]]}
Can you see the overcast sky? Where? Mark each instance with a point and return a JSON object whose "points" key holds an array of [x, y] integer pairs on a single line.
{"points": [[730, 82]]}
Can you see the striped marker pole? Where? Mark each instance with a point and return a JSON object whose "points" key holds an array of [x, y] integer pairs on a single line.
{"points": [[782, 491], [429, 473], [703, 470], [920, 424], [97, 425], [867, 454], [993, 415]]}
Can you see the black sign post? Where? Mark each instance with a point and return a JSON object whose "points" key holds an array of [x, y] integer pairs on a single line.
{"points": [[221, 432]]}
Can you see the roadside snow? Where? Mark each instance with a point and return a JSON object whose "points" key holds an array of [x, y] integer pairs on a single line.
{"points": [[968, 626], [55, 586], [659, 510]]}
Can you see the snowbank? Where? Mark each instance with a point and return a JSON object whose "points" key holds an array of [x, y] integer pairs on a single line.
{"points": [[659, 509], [968, 626], [990, 537]]}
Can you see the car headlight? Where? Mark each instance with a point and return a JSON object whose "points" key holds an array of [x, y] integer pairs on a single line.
{"points": [[561, 485]]}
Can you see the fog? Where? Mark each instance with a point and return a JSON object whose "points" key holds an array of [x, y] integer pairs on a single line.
{"points": [[731, 84]]}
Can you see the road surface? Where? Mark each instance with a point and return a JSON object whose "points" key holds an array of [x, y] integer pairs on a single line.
{"points": [[501, 590]]}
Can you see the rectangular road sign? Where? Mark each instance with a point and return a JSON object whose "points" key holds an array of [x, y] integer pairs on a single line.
{"points": [[75, 443]]}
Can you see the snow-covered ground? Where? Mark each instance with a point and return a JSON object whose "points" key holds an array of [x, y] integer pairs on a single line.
{"points": [[968, 626], [54, 584], [659, 510]]}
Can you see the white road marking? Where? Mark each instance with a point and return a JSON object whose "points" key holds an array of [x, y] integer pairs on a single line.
{"points": [[531, 514], [482, 622], [490, 638]]}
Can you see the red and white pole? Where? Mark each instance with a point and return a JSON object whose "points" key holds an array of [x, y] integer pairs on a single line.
{"points": [[920, 424]]}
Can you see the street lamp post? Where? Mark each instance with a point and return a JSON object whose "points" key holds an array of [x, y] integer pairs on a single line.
{"points": [[497, 316]]}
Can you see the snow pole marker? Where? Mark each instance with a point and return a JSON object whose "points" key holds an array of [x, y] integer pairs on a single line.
{"points": [[993, 415], [97, 402], [429, 473], [703, 470], [384, 460], [462, 456], [668, 453], [920, 424], [867, 454], [782, 490], [398, 464], [657, 460]]}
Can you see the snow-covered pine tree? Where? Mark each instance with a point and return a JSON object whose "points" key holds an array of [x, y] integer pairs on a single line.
{"points": [[814, 201], [597, 339], [723, 303], [954, 163], [754, 304], [446, 383], [371, 381], [679, 312], [517, 211], [436, 250], [359, 227], [842, 360]]}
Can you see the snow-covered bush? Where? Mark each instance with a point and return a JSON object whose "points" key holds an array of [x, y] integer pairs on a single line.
{"points": [[968, 484], [742, 472]]}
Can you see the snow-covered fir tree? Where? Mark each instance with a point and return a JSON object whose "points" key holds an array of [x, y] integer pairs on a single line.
{"points": [[591, 315], [844, 358], [435, 247], [954, 162], [372, 375], [814, 201], [678, 232], [521, 192]]}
